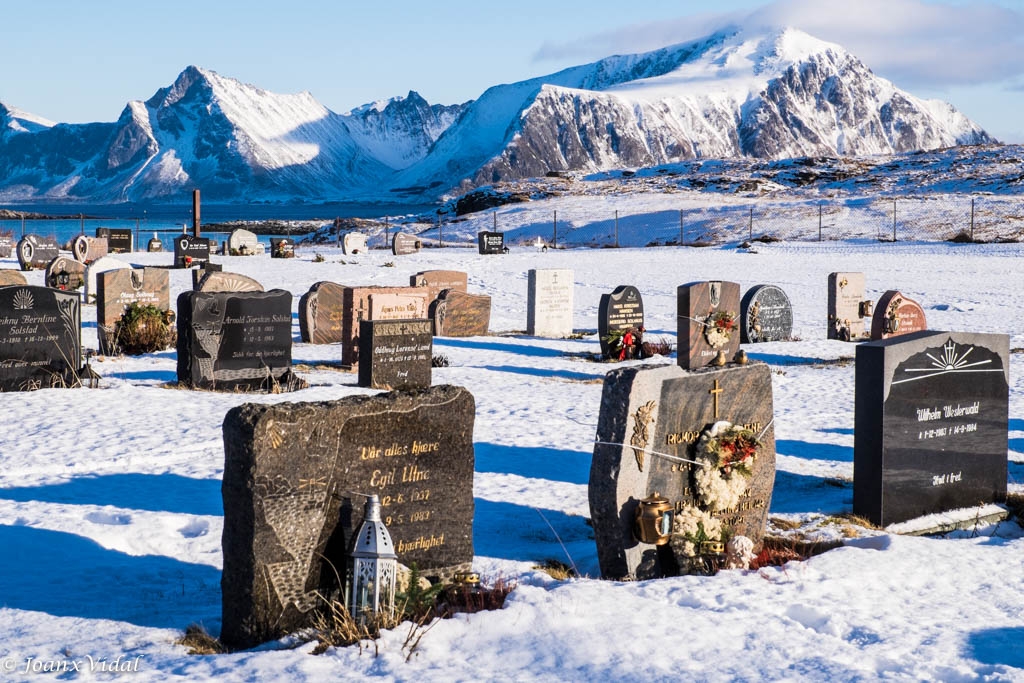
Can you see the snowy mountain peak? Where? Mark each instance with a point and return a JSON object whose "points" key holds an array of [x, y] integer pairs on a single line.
{"points": [[14, 120]]}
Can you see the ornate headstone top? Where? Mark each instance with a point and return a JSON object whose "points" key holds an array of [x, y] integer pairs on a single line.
{"points": [[896, 315]]}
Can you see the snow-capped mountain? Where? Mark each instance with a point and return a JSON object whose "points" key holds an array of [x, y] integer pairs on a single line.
{"points": [[777, 95], [774, 95]]}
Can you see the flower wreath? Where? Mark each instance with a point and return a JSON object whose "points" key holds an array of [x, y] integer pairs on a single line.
{"points": [[622, 342], [718, 328], [726, 453], [695, 529]]}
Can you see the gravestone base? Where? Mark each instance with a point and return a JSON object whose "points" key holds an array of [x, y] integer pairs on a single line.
{"points": [[650, 422]]}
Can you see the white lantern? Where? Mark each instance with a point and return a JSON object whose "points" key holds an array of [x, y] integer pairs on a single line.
{"points": [[374, 566]]}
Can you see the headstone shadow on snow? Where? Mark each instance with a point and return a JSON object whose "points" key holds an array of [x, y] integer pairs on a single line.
{"points": [[66, 575], [162, 376], [519, 349], [151, 492], [808, 450], [997, 646], [552, 464], [544, 372], [516, 532], [802, 493]]}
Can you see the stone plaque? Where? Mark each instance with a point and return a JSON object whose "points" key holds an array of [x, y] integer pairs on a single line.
{"points": [[847, 307], [320, 313], [282, 247], [236, 341], [155, 245], [395, 354], [404, 244], [549, 305], [40, 338], [88, 249], [116, 290], [896, 315], [356, 307], [220, 281], [930, 424], [651, 421], [6, 243], [354, 243], [65, 273], [406, 305], [708, 322], [119, 240], [623, 309], [436, 281], [244, 243], [290, 470], [765, 315], [100, 265], [11, 277], [458, 314], [34, 252], [491, 242], [191, 251]]}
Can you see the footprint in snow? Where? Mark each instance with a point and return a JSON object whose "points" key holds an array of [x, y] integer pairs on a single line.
{"points": [[113, 518], [194, 529]]}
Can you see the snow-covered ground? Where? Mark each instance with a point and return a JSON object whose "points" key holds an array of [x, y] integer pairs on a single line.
{"points": [[111, 516]]}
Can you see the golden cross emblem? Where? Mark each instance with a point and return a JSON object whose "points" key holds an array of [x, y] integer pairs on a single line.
{"points": [[715, 392]]}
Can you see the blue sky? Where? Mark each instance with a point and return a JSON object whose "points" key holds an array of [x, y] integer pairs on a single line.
{"points": [[74, 61]]}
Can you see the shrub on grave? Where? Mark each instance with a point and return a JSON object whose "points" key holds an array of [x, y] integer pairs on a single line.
{"points": [[144, 328]]}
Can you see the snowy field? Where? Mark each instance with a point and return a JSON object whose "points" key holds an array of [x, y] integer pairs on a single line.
{"points": [[111, 515]]}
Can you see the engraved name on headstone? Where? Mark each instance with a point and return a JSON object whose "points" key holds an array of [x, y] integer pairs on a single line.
{"points": [[191, 251], [40, 338], [119, 240], [765, 315], [622, 310], [395, 354], [549, 302], [404, 244], [491, 242], [847, 307], [116, 290], [896, 315], [34, 251]]}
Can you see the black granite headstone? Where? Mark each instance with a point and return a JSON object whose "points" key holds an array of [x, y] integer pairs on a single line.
{"points": [[36, 252], [765, 315], [119, 240], [930, 424], [395, 354], [40, 338], [623, 309], [491, 242], [293, 473], [236, 341], [191, 251]]}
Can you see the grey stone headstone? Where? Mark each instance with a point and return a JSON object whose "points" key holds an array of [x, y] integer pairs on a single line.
{"points": [[549, 302], [236, 341], [244, 243], [320, 314], [154, 244], [650, 422], [765, 315], [404, 244], [699, 305], [7, 243], [395, 354], [458, 314], [100, 265], [40, 338], [87, 249], [220, 281], [290, 473], [930, 424], [846, 307]]}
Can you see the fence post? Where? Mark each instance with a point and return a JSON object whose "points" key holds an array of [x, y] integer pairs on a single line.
{"points": [[893, 219], [387, 235], [750, 228], [681, 240], [495, 216], [440, 237], [972, 219], [819, 221], [616, 228], [554, 226]]}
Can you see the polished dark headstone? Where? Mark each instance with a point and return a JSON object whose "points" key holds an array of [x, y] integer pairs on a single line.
{"points": [[491, 242], [623, 309], [930, 424], [395, 354], [35, 252], [765, 315], [282, 247], [119, 240], [191, 251], [40, 338]]}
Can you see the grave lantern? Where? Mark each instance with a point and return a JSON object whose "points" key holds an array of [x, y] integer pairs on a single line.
{"points": [[374, 566]]}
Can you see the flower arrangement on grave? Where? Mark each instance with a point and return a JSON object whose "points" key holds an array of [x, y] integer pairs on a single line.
{"points": [[726, 453], [697, 532], [625, 344], [188, 261], [891, 323], [144, 328], [718, 328]]}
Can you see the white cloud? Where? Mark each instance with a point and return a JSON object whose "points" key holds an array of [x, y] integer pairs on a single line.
{"points": [[911, 42]]}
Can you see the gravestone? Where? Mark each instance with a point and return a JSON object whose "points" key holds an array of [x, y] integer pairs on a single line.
{"points": [[847, 307], [282, 247], [65, 273], [395, 354], [622, 310], [191, 251], [290, 470], [708, 322], [649, 432], [356, 306], [236, 341], [320, 313], [765, 315], [244, 243], [88, 249], [436, 281], [11, 277], [549, 305], [896, 315], [404, 244], [119, 240], [405, 305], [116, 290], [35, 252], [491, 242], [220, 281], [154, 245], [458, 314], [40, 338], [354, 243], [98, 266], [930, 424], [7, 243]]}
